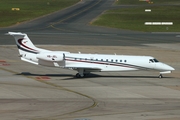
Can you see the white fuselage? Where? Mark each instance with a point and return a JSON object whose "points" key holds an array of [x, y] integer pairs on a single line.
{"points": [[85, 63], [108, 62], [115, 62], [100, 62]]}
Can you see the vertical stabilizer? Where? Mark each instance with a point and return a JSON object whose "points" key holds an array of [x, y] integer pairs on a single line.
{"points": [[28, 52], [23, 43]]}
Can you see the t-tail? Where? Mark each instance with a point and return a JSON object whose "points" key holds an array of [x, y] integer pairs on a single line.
{"points": [[27, 50], [24, 44], [32, 54]]}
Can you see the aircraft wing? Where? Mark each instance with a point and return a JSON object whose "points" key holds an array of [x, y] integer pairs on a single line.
{"points": [[86, 68]]}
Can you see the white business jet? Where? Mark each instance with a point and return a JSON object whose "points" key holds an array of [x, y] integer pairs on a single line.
{"points": [[85, 63]]}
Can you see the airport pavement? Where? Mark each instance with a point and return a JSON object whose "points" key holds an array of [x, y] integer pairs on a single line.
{"points": [[30, 92]]}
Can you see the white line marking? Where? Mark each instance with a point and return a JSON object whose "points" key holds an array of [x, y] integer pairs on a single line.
{"points": [[147, 10], [158, 23]]}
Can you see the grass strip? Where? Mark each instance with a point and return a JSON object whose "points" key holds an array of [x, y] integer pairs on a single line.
{"points": [[134, 18], [119, 2], [29, 9]]}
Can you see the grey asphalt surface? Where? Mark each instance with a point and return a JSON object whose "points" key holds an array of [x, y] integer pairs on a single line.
{"points": [[71, 26], [31, 92]]}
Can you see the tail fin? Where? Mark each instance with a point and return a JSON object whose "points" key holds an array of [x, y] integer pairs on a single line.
{"points": [[24, 44], [32, 54]]}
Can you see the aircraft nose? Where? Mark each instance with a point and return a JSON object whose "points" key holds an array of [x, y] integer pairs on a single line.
{"points": [[171, 68], [167, 67], [164, 67]]}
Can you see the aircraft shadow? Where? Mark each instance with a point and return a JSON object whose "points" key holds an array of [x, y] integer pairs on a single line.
{"points": [[49, 75], [71, 76]]}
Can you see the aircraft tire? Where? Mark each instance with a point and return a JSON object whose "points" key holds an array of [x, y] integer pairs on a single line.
{"points": [[78, 75], [160, 76]]}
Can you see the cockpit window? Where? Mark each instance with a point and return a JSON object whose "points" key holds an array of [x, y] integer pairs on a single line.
{"points": [[155, 60], [151, 60]]}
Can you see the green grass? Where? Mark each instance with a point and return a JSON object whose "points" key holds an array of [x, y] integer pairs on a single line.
{"points": [[134, 18], [29, 9], [144, 2]]}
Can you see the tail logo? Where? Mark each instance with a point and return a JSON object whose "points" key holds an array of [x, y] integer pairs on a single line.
{"points": [[25, 42], [21, 45]]}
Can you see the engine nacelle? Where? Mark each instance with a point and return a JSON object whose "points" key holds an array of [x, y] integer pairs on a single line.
{"points": [[51, 56]]}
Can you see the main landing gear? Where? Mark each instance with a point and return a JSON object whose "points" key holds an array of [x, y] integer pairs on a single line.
{"points": [[82, 73], [160, 76], [79, 75]]}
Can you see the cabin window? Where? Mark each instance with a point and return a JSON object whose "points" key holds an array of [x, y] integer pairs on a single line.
{"points": [[96, 59], [101, 59], [116, 60], [125, 60], [107, 60], [120, 60], [111, 60]]}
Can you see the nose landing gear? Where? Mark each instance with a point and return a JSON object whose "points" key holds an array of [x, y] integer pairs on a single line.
{"points": [[165, 72]]}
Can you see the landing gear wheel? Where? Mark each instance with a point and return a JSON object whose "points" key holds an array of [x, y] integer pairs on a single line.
{"points": [[78, 75], [160, 76]]}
